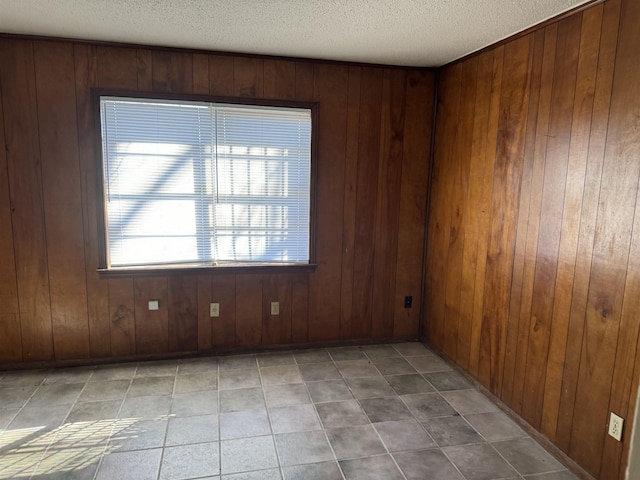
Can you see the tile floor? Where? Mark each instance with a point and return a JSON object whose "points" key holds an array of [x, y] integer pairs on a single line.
{"points": [[373, 412]]}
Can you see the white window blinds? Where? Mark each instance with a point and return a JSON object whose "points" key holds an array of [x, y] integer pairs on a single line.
{"points": [[194, 182]]}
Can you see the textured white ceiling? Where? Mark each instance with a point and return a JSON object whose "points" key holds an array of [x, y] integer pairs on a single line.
{"points": [[394, 32]]}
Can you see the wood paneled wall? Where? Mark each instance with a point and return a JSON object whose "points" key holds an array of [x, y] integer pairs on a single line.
{"points": [[532, 274], [533, 265], [373, 148]]}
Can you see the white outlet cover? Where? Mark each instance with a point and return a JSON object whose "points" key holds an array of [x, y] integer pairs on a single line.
{"points": [[275, 308], [154, 304], [214, 309], [615, 426]]}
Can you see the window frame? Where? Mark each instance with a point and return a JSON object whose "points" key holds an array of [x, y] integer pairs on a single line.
{"points": [[223, 268]]}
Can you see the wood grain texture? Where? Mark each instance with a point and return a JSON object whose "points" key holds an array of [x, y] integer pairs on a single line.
{"points": [[122, 317], [172, 72], [485, 137], [388, 202], [119, 67], [350, 199], [553, 192], [539, 147], [223, 330], [299, 308], [152, 326], [304, 81], [144, 70], [248, 77], [456, 332], [416, 149], [507, 175], [372, 124], [531, 273], [276, 329], [593, 180], [610, 263], [512, 382], [183, 313], [200, 73], [205, 322], [22, 139], [10, 341], [439, 217], [574, 192], [484, 67], [324, 284], [279, 79], [625, 373], [97, 288], [367, 185], [248, 310], [558, 337], [129, 69], [54, 70], [221, 75]]}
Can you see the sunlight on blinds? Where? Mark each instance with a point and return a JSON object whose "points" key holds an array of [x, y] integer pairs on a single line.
{"points": [[193, 182]]}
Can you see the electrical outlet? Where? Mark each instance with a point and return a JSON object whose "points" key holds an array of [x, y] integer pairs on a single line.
{"points": [[154, 304], [408, 301], [214, 309], [275, 308], [615, 426]]}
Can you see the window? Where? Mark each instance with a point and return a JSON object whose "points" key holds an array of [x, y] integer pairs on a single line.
{"points": [[197, 183]]}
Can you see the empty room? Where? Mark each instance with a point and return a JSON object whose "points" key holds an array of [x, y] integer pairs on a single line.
{"points": [[319, 240]]}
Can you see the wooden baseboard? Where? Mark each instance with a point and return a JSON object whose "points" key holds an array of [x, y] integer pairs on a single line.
{"points": [[82, 362]]}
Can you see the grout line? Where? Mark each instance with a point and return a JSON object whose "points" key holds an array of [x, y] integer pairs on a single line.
{"points": [[26, 402], [313, 404], [370, 357], [108, 442], [435, 390], [219, 409], [55, 429], [273, 435], [166, 428]]}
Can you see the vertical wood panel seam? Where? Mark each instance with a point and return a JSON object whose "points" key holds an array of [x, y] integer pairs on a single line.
{"points": [[564, 196], [633, 406], [526, 229], [463, 223], [517, 203], [477, 304], [344, 195], [370, 329], [82, 202], [151, 73], [137, 50], [490, 220], [606, 137], [615, 356], [546, 147], [355, 186], [233, 74], [447, 233], [43, 219], [13, 243], [577, 247], [633, 401], [427, 216]]}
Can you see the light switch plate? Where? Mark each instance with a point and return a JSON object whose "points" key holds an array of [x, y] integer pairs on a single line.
{"points": [[154, 304]]}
